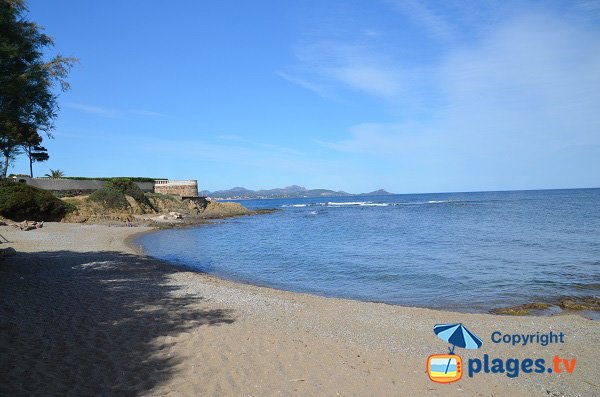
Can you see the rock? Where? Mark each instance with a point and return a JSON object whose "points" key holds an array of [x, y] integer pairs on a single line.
{"points": [[521, 310], [6, 252], [175, 215], [580, 303], [29, 225]]}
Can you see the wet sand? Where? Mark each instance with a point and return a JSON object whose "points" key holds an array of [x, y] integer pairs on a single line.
{"points": [[83, 313]]}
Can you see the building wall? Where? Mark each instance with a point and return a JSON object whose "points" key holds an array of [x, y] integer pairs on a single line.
{"points": [[188, 188]]}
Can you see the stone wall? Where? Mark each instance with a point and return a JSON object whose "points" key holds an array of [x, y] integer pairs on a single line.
{"points": [[71, 187], [188, 188]]}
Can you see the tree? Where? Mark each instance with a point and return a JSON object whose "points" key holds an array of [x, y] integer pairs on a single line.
{"points": [[55, 174], [34, 151], [28, 103]]}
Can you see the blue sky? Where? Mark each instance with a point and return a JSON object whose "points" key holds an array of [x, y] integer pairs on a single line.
{"points": [[410, 96]]}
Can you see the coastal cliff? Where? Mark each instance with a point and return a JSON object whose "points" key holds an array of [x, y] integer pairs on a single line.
{"points": [[158, 210]]}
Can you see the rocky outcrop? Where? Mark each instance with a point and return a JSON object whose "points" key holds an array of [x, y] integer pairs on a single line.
{"points": [[159, 208]]}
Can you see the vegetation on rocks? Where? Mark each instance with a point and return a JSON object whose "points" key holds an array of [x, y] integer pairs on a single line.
{"points": [[216, 209], [120, 200], [576, 303], [19, 202], [114, 194], [521, 310], [580, 303]]}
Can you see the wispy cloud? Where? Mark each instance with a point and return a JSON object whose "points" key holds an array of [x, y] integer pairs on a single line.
{"points": [[380, 139], [435, 22], [267, 156], [522, 97], [456, 20], [110, 112], [314, 87], [328, 64], [97, 110], [279, 148], [244, 142], [372, 33]]}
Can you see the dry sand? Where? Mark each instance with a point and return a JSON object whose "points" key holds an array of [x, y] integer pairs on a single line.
{"points": [[83, 314]]}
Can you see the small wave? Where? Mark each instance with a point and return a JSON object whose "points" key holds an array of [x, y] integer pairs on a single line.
{"points": [[370, 204], [349, 203], [359, 203], [313, 212], [431, 202]]}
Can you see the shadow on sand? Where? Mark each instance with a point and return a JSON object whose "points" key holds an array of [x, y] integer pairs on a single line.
{"points": [[95, 323]]}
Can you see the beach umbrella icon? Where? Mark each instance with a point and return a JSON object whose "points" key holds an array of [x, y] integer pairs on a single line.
{"points": [[457, 335]]}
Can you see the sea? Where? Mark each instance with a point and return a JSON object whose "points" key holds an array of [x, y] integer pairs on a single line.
{"points": [[469, 252]]}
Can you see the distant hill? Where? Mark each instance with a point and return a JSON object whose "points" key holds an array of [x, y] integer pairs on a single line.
{"points": [[380, 192], [293, 191]]}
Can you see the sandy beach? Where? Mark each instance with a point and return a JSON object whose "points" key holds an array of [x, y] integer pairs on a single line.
{"points": [[83, 313]]}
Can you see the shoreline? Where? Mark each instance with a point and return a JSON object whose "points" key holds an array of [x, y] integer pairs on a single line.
{"points": [[208, 335], [552, 309]]}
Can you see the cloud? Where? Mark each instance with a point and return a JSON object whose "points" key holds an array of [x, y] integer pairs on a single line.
{"points": [[435, 22], [327, 67], [316, 88], [266, 157], [373, 138], [97, 110], [372, 33], [258, 145], [367, 76], [110, 112], [510, 105], [278, 148]]}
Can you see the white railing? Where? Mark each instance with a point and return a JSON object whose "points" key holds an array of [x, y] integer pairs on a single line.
{"points": [[168, 182]]}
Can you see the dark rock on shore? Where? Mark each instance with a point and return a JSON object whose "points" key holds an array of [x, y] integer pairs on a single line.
{"points": [[521, 310]]}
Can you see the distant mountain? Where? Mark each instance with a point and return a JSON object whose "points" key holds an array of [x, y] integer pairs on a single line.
{"points": [[293, 191], [380, 192]]}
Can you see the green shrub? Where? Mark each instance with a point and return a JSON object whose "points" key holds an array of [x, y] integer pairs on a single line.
{"points": [[19, 202], [110, 198], [112, 194], [69, 207]]}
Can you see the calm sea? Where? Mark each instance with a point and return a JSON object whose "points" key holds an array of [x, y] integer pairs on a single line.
{"points": [[462, 251]]}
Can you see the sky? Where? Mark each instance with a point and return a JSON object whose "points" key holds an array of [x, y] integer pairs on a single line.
{"points": [[410, 96]]}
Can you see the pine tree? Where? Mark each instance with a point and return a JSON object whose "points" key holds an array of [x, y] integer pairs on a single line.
{"points": [[28, 104]]}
